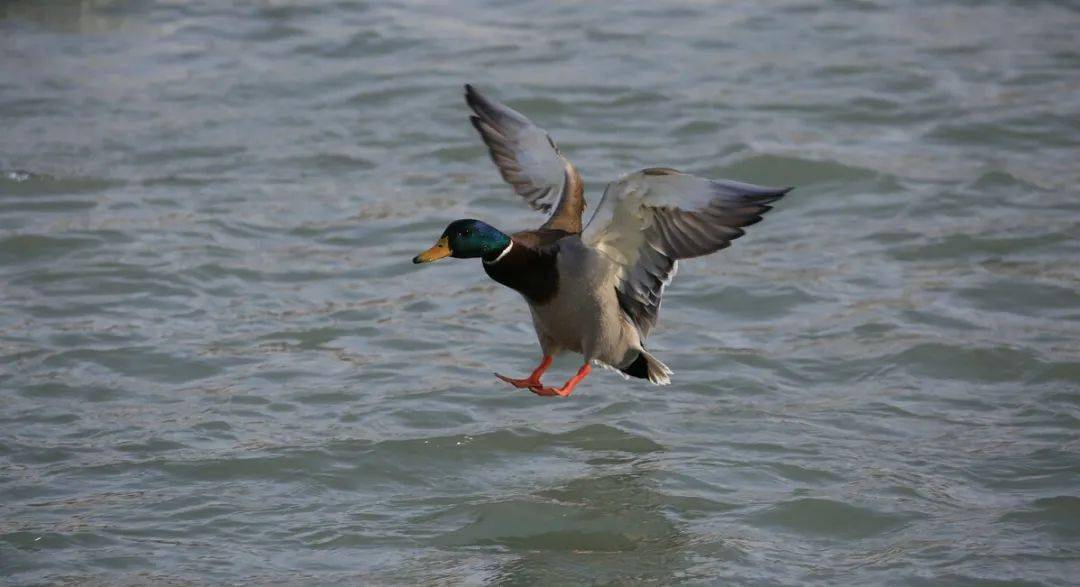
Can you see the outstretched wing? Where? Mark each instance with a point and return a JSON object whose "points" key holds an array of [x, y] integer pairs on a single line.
{"points": [[529, 161], [650, 219]]}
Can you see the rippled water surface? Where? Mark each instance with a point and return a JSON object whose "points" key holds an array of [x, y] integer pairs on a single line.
{"points": [[217, 364]]}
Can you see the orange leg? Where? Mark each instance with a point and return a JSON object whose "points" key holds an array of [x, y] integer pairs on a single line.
{"points": [[565, 389], [533, 380]]}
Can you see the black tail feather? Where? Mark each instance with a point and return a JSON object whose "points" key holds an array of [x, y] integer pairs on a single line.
{"points": [[639, 368]]}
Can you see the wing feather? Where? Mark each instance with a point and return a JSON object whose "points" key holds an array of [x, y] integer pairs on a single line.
{"points": [[529, 161], [650, 219]]}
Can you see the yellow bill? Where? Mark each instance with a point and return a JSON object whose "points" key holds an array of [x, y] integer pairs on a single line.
{"points": [[440, 250]]}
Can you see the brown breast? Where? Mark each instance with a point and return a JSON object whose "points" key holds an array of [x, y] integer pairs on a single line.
{"points": [[530, 265]]}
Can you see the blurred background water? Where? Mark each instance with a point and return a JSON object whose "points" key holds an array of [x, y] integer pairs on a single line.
{"points": [[217, 364]]}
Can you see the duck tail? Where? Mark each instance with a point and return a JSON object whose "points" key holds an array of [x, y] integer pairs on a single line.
{"points": [[646, 366]]}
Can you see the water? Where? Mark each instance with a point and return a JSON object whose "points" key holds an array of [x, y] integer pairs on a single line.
{"points": [[218, 365]]}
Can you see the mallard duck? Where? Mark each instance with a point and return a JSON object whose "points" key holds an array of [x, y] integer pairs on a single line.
{"points": [[595, 291]]}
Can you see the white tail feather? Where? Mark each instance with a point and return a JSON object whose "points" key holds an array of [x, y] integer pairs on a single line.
{"points": [[658, 372]]}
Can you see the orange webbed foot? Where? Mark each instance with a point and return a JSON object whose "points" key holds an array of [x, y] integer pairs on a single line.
{"points": [[550, 391], [565, 390], [533, 380], [520, 383]]}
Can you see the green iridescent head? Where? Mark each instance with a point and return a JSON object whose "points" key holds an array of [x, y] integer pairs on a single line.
{"points": [[466, 239]]}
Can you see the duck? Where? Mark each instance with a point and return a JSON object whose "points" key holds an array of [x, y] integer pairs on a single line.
{"points": [[594, 289]]}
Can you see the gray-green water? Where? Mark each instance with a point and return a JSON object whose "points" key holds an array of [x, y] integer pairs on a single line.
{"points": [[217, 364]]}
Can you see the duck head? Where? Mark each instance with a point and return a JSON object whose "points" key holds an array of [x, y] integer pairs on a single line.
{"points": [[465, 239]]}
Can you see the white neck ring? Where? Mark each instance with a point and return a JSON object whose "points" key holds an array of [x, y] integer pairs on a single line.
{"points": [[502, 254]]}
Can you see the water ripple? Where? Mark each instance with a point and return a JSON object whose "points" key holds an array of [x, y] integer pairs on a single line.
{"points": [[218, 364]]}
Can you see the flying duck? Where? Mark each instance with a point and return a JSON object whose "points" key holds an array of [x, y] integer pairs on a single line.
{"points": [[594, 291]]}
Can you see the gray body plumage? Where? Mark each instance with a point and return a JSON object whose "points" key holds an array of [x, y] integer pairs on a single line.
{"points": [[584, 315]]}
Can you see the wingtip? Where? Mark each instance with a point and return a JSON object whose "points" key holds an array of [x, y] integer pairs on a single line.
{"points": [[775, 193], [472, 97], [475, 99]]}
